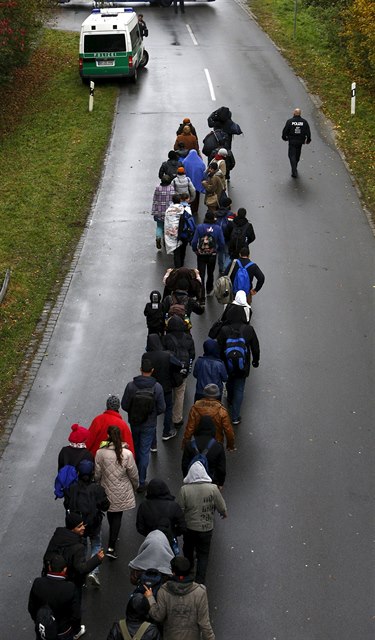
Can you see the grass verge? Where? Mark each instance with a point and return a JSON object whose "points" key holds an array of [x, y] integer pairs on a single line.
{"points": [[325, 71], [50, 165]]}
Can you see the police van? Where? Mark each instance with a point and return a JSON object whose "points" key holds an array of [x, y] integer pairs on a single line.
{"points": [[110, 45]]}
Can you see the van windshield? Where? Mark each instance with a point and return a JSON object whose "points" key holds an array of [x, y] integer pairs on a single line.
{"points": [[102, 43]]}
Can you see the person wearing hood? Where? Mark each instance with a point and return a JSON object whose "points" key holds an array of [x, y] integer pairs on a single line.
{"points": [[88, 498], [211, 406], [160, 511], [182, 184], [180, 296], [186, 121], [182, 605], [204, 440], [199, 498], [179, 342], [208, 240], [170, 166], [195, 170], [68, 542], [166, 370], [209, 368], [98, 429], [154, 314], [154, 553], [77, 448], [143, 400], [161, 200], [137, 620], [252, 271], [223, 215], [237, 312], [189, 140], [239, 233]]}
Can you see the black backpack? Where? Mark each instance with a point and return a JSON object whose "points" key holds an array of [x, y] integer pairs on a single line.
{"points": [[182, 354], [45, 623], [142, 405], [82, 498], [222, 114], [238, 239]]}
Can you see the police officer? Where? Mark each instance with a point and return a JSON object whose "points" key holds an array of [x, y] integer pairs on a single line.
{"points": [[297, 133]]}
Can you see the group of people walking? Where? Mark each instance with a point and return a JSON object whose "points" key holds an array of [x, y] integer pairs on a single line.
{"points": [[104, 469]]}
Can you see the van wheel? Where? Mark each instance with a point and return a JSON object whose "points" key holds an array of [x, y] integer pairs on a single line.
{"points": [[145, 58]]}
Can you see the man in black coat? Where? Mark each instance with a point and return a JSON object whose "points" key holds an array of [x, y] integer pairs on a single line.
{"points": [[296, 132], [54, 590], [238, 233], [160, 511]]}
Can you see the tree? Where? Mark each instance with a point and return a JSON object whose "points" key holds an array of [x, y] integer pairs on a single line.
{"points": [[358, 33]]}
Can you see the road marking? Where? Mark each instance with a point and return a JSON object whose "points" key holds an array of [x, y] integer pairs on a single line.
{"points": [[192, 36], [210, 86]]}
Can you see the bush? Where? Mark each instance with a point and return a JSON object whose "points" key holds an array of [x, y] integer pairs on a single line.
{"points": [[358, 33]]}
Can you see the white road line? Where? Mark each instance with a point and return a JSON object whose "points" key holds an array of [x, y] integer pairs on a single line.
{"points": [[192, 36], [210, 86]]}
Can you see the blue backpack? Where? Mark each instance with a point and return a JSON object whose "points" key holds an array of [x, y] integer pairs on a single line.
{"points": [[241, 280], [65, 478], [186, 227], [235, 354], [201, 456]]}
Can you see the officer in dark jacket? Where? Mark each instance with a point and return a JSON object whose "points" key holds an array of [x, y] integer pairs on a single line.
{"points": [[160, 511], [215, 455], [296, 132], [137, 611]]}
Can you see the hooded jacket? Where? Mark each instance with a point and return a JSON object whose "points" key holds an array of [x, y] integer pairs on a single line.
{"points": [[204, 433], [160, 511], [119, 481], [195, 169], [165, 364], [154, 553], [220, 416], [208, 228], [209, 368], [182, 184], [199, 498], [182, 606], [62, 597], [170, 166], [180, 342], [248, 235], [247, 332], [99, 428], [70, 545], [145, 382]]}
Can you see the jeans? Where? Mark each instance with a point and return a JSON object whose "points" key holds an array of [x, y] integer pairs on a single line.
{"points": [[223, 259], [235, 392], [160, 229], [206, 263], [114, 521], [143, 438], [95, 543], [294, 154], [198, 541]]}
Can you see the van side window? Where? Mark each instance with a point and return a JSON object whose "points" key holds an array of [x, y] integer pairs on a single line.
{"points": [[135, 38]]}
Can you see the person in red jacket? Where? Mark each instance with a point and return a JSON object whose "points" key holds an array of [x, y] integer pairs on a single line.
{"points": [[110, 418]]}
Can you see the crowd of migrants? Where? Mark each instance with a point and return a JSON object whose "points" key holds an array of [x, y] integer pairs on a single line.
{"points": [[103, 467]]}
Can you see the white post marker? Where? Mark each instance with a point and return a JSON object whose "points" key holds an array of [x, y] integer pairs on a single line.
{"points": [[91, 96], [353, 94]]}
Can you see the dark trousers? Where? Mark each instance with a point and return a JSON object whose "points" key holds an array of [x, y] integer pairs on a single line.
{"points": [[195, 204], [182, 6], [198, 541], [206, 263], [114, 521], [179, 255], [294, 154]]}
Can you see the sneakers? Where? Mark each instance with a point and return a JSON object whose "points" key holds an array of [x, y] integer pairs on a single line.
{"points": [[210, 292], [111, 553], [143, 487], [158, 243], [80, 633], [237, 420], [170, 435], [93, 579], [154, 449]]}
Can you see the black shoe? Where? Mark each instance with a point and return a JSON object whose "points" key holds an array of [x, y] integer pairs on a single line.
{"points": [[111, 553], [178, 424], [237, 420], [295, 174], [142, 488], [169, 435]]}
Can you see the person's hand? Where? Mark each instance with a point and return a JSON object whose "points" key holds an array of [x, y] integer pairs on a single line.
{"points": [[101, 554], [255, 365], [253, 292], [231, 450], [224, 515], [148, 591]]}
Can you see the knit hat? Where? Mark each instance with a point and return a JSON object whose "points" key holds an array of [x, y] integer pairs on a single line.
{"points": [[223, 152], [113, 402], [180, 170], [85, 468], [186, 120], [73, 519], [211, 391], [79, 434]]}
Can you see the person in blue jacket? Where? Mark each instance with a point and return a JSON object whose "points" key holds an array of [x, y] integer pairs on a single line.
{"points": [[209, 369], [207, 241]]}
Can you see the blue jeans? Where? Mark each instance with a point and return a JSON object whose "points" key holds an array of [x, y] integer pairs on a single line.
{"points": [[96, 545], [160, 229], [235, 391], [143, 438], [223, 259]]}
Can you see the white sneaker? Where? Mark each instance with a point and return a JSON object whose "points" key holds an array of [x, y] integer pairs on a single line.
{"points": [[93, 579], [80, 633]]}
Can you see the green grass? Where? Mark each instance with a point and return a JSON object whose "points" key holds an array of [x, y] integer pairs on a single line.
{"points": [[324, 69], [52, 151]]}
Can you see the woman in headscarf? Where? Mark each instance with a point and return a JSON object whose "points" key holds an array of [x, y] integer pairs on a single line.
{"points": [[195, 170], [237, 312]]}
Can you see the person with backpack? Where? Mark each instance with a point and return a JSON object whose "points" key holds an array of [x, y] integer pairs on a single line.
{"points": [[185, 232], [213, 185], [88, 498], [189, 140], [199, 498], [220, 159], [186, 121], [116, 471], [160, 511], [209, 368], [137, 623], [182, 184], [98, 429], [76, 450], [174, 279], [239, 347], [204, 447], [215, 139], [195, 170], [161, 200], [210, 406], [179, 342], [182, 605], [166, 370], [154, 314], [170, 166], [68, 542], [171, 227], [54, 604], [143, 400], [223, 216], [221, 119], [239, 233], [208, 240], [237, 312], [242, 273], [181, 304]]}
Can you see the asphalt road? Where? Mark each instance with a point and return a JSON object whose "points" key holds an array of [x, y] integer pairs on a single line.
{"points": [[294, 560]]}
